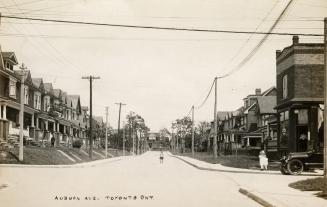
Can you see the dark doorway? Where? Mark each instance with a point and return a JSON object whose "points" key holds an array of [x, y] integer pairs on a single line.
{"points": [[302, 138]]}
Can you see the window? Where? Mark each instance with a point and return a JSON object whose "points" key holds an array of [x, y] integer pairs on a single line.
{"points": [[46, 103], [12, 88], [285, 91], [26, 95], [37, 100]]}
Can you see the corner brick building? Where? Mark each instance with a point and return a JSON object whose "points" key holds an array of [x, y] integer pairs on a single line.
{"points": [[300, 86]]}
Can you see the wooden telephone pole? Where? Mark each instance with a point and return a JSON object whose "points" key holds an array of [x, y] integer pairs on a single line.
{"points": [[90, 78], [106, 142], [325, 101], [193, 131], [215, 123], [120, 105], [21, 113]]}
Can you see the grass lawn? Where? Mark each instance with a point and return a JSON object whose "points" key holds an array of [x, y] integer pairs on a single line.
{"points": [[40, 156], [241, 161], [50, 155], [313, 184]]}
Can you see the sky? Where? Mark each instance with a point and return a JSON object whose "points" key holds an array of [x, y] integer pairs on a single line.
{"points": [[158, 74]]}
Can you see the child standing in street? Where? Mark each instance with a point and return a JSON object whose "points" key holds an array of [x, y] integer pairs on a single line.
{"points": [[161, 157], [263, 160]]}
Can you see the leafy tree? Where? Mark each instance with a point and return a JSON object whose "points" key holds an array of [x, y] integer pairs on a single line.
{"points": [[136, 127], [183, 132]]}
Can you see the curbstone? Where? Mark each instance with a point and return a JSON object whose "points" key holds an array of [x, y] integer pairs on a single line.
{"points": [[78, 165], [255, 198]]}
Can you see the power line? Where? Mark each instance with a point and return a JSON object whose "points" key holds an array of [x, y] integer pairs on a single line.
{"points": [[188, 114], [205, 100], [159, 28], [72, 37], [250, 37], [38, 47], [51, 45], [256, 48]]}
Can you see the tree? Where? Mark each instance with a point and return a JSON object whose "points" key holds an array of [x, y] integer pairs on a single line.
{"points": [[184, 130], [202, 134], [138, 129], [164, 135]]}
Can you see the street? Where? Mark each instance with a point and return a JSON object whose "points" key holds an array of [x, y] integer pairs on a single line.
{"points": [[173, 183]]}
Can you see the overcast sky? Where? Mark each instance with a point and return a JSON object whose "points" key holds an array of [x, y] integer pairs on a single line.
{"points": [[158, 74]]}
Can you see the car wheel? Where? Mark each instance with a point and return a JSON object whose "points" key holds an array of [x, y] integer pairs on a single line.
{"points": [[295, 167], [284, 170]]}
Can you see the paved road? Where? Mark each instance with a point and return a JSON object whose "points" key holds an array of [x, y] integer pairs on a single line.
{"points": [[173, 183]]}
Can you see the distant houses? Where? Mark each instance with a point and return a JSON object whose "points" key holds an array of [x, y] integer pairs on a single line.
{"points": [[250, 126], [51, 116]]}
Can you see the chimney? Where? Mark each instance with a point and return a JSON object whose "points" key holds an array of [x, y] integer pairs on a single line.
{"points": [[278, 52], [258, 91], [295, 39]]}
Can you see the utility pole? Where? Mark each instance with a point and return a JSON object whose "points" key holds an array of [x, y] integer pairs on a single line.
{"points": [[325, 103], [133, 136], [193, 130], [107, 113], [90, 78], [120, 104], [21, 113], [123, 138], [215, 124], [172, 138]]}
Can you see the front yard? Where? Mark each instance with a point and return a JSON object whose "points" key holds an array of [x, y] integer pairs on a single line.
{"points": [[240, 161], [51, 156]]}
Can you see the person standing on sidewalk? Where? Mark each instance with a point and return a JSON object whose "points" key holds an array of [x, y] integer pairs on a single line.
{"points": [[263, 160]]}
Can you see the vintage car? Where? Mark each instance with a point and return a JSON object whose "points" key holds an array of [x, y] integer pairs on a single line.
{"points": [[297, 162]]}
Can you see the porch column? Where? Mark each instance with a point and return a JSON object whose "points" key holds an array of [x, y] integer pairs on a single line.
{"points": [[32, 121], [37, 122], [1, 117], [1, 128], [4, 112], [247, 141], [58, 127], [46, 125], [64, 129]]}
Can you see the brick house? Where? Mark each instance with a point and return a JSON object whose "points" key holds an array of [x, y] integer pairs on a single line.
{"points": [[300, 78]]}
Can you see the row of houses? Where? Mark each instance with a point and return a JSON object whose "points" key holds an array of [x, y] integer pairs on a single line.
{"points": [[51, 115], [286, 118]]}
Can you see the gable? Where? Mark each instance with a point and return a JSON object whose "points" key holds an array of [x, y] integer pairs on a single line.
{"points": [[10, 56], [48, 88], [270, 92]]}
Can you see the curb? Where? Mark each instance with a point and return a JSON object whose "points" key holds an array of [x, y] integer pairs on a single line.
{"points": [[255, 198], [218, 170], [78, 165]]}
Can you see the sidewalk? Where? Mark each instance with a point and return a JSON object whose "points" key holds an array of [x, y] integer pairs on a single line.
{"points": [[78, 165], [270, 186]]}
